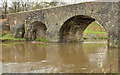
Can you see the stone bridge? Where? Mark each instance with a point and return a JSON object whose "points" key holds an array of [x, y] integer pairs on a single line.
{"points": [[65, 23]]}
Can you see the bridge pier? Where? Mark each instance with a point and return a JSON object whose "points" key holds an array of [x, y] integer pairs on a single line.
{"points": [[112, 42], [52, 35], [112, 38]]}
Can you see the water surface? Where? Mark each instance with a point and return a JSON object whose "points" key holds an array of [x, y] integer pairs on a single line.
{"points": [[86, 57]]}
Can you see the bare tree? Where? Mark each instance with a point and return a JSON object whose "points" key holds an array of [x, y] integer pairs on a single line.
{"points": [[13, 7], [26, 5], [4, 5], [20, 5]]}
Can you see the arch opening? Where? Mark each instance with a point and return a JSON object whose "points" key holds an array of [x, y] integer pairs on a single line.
{"points": [[95, 31], [72, 30], [37, 30]]}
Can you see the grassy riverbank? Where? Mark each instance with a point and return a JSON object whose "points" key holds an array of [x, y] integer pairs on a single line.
{"points": [[41, 40], [9, 37], [94, 35], [95, 31]]}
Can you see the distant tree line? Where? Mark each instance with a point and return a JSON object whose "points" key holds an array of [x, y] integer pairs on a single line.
{"points": [[21, 5]]}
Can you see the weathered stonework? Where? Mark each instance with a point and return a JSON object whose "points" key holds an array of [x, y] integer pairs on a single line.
{"points": [[54, 19], [73, 29], [19, 30], [4, 26], [36, 30]]}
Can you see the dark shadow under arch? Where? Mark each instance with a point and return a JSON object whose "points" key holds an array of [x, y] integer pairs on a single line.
{"points": [[37, 30], [72, 29]]}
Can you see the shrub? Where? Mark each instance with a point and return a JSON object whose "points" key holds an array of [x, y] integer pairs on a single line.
{"points": [[41, 40]]}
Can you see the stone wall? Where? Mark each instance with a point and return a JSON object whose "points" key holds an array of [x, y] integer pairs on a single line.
{"points": [[4, 27], [17, 22]]}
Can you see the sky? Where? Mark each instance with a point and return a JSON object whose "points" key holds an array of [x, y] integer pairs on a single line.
{"points": [[67, 1]]}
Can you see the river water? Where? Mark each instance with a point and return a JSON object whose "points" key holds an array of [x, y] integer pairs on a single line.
{"points": [[86, 57]]}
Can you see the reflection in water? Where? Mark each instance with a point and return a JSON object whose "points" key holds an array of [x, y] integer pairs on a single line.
{"points": [[57, 57], [98, 59]]}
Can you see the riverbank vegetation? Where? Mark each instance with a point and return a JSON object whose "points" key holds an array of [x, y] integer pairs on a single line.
{"points": [[95, 31], [41, 40], [9, 37]]}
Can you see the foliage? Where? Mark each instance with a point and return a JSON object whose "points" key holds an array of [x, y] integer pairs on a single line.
{"points": [[53, 3], [37, 6], [95, 36], [41, 40], [10, 37], [18, 6], [97, 32], [46, 4], [4, 6]]}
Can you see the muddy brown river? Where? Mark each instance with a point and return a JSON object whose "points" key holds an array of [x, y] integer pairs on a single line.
{"points": [[86, 57]]}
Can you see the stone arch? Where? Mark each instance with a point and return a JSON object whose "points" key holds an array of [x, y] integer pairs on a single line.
{"points": [[36, 30], [73, 28]]}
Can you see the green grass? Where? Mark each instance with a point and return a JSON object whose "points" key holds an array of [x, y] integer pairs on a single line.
{"points": [[41, 40], [10, 37], [95, 31]]}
